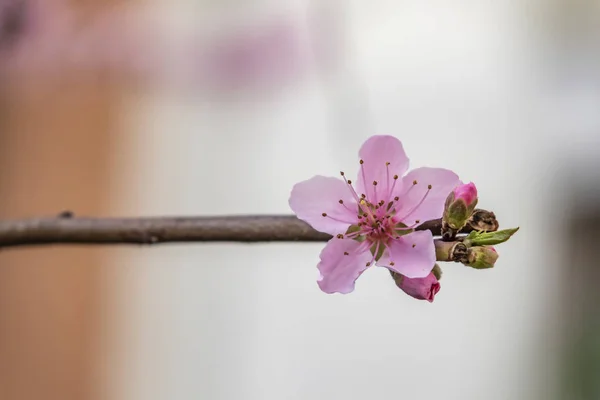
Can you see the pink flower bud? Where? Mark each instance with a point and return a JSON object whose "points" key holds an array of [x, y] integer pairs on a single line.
{"points": [[419, 288], [460, 204], [467, 193]]}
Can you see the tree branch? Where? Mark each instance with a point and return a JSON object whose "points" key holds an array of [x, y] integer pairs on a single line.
{"points": [[67, 229]]}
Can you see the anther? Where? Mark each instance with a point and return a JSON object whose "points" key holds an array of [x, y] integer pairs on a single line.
{"points": [[418, 221], [346, 253], [342, 173], [324, 214], [387, 163], [415, 182], [364, 196], [341, 202], [340, 236], [368, 264], [429, 187], [392, 264], [374, 183], [349, 182], [395, 176], [361, 161], [414, 245], [396, 198]]}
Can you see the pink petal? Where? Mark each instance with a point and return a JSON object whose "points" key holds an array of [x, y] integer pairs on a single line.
{"points": [[375, 153], [417, 202], [338, 270], [310, 199], [413, 255]]}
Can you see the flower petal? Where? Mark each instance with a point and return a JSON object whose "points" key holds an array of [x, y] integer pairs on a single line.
{"points": [[375, 153], [412, 255], [417, 202], [311, 198], [338, 270]]}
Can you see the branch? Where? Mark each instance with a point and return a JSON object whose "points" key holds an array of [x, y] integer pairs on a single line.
{"points": [[67, 229]]}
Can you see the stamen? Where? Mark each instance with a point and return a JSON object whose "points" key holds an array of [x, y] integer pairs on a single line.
{"points": [[353, 235], [418, 205], [362, 174], [325, 215], [393, 186], [414, 245], [349, 183], [408, 228], [374, 191], [346, 253], [392, 263], [411, 187], [374, 253], [340, 236], [346, 207]]}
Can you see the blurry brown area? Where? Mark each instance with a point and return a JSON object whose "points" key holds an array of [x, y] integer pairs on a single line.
{"points": [[580, 348], [54, 146]]}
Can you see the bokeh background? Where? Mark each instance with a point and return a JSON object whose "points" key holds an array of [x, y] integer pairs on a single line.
{"points": [[163, 107]]}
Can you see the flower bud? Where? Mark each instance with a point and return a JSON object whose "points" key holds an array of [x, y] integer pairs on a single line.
{"points": [[460, 204], [419, 288], [481, 257]]}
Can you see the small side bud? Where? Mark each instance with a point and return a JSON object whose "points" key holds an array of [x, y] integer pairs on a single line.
{"points": [[483, 220], [460, 204], [419, 288], [482, 257]]}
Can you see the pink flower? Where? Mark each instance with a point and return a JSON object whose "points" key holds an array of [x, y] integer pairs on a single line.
{"points": [[373, 219], [419, 288]]}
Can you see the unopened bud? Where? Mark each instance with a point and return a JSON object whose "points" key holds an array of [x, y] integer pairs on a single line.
{"points": [[481, 257], [420, 288], [460, 204]]}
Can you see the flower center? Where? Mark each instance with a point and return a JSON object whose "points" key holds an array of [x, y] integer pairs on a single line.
{"points": [[378, 219]]}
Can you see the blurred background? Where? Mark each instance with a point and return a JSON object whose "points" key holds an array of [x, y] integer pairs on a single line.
{"points": [[163, 107]]}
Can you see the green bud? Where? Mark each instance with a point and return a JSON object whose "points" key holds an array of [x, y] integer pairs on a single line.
{"points": [[483, 257]]}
